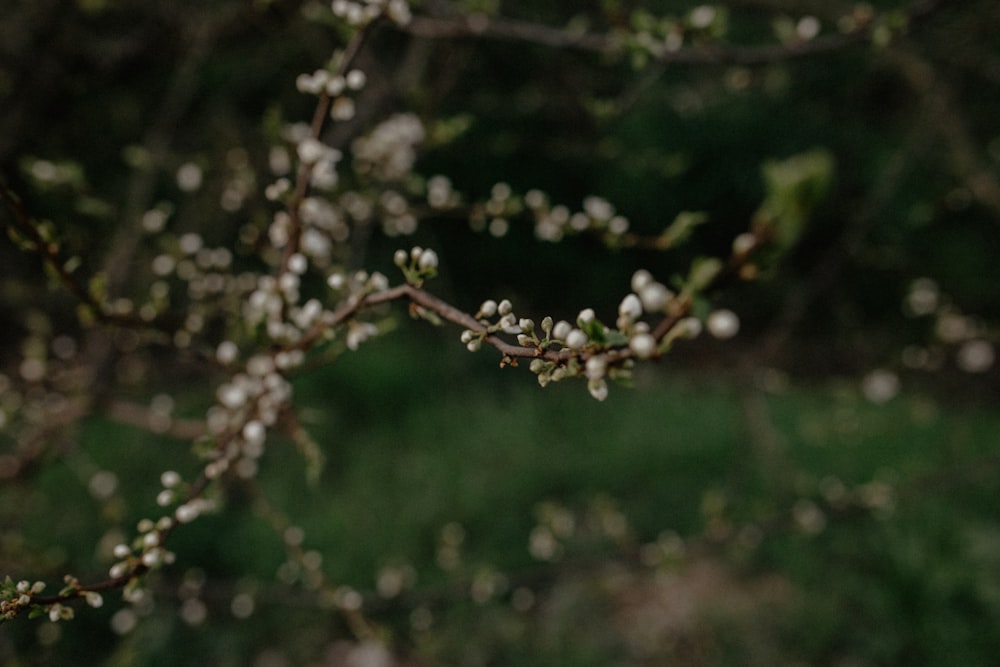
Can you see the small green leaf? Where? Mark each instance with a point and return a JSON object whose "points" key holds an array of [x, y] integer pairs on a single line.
{"points": [[704, 270], [594, 330], [680, 229], [796, 187]]}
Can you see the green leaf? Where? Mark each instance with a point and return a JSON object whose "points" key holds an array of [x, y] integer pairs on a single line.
{"points": [[796, 187], [704, 270], [680, 229], [594, 330]]}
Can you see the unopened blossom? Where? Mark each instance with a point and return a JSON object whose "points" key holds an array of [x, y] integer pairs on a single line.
{"points": [[576, 339], [428, 260], [643, 345], [723, 324], [561, 330], [654, 296], [640, 279], [596, 367], [598, 388], [488, 308], [630, 308]]}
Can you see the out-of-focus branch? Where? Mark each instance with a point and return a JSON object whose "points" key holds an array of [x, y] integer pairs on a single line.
{"points": [[51, 255], [479, 26], [981, 181]]}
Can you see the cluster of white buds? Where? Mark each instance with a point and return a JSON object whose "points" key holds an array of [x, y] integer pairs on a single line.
{"points": [[324, 225], [248, 404], [657, 36], [494, 214], [320, 159], [147, 549], [16, 597], [389, 151], [359, 283], [417, 264], [966, 335], [597, 215], [206, 279], [359, 14], [590, 349], [552, 223], [507, 323], [397, 218], [339, 87], [355, 287], [441, 193]]}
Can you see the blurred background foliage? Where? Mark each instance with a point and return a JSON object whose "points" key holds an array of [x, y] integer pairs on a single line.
{"points": [[768, 500]]}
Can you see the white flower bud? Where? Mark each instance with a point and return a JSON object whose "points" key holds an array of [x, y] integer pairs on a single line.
{"points": [[306, 83], [598, 388], [400, 258], [654, 297], [643, 345], [586, 316], [576, 339], [310, 151], [744, 243], [428, 260], [640, 279], [561, 330], [298, 264], [505, 307], [508, 323], [121, 551], [169, 479], [336, 281], [723, 324], [227, 352], [186, 513], [488, 308], [526, 324], [355, 79], [342, 109], [335, 86], [254, 432], [630, 308], [596, 367]]}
